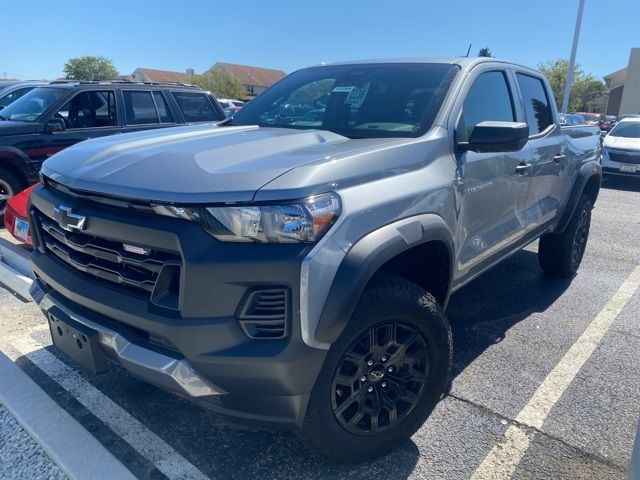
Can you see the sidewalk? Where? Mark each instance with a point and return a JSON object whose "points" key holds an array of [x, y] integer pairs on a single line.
{"points": [[20, 455]]}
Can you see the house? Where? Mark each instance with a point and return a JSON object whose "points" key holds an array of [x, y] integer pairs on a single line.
{"points": [[624, 87], [153, 75], [253, 79]]}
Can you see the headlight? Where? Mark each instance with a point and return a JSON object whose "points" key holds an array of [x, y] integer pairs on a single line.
{"points": [[304, 221]]}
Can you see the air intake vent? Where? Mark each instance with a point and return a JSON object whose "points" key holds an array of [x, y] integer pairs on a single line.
{"points": [[263, 313]]}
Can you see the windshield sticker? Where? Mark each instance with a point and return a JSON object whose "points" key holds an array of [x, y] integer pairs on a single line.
{"points": [[357, 95], [342, 89]]}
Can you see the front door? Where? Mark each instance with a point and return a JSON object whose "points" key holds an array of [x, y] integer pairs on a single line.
{"points": [[89, 114], [493, 194]]}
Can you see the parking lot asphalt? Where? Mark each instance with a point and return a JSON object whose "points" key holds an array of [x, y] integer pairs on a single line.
{"points": [[512, 328]]}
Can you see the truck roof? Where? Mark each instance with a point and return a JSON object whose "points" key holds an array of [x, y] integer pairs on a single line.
{"points": [[464, 62]]}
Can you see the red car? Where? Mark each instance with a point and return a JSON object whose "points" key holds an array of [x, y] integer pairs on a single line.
{"points": [[596, 119], [15, 216]]}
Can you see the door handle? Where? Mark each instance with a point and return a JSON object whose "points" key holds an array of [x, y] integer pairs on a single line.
{"points": [[523, 168], [559, 158]]}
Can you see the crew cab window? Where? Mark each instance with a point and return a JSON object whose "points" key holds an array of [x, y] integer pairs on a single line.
{"points": [[196, 107], [536, 103], [90, 109], [489, 99]]}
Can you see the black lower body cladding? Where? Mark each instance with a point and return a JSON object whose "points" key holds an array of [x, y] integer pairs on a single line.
{"points": [[266, 379]]}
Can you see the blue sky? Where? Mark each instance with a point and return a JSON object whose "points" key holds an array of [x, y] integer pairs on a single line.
{"points": [[39, 36]]}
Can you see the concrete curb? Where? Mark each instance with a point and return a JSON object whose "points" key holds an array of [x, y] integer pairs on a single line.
{"points": [[15, 271], [66, 442]]}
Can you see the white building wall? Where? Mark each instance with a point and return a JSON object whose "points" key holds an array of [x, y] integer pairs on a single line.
{"points": [[630, 102]]}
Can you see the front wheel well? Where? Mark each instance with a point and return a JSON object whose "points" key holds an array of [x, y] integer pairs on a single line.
{"points": [[427, 265]]}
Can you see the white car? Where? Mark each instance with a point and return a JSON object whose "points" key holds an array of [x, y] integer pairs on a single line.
{"points": [[621, 149]]}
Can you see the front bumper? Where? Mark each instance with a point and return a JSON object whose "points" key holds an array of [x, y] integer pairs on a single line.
{"points": [[200, 349], [612, 167], [153, 366]]}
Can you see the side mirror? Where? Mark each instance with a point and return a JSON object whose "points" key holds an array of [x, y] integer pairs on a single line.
{"points": [[496, 137], [56, 125]]}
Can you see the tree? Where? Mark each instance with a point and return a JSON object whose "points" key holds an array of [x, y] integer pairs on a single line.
{"points": [[90, 68], [584, 90], [221, 84], [485, 52]]}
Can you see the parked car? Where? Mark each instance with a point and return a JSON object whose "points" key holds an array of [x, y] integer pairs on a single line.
{"points": [[16, 219], [11, 90], [598, 119], [572, 119], [298, 272], [621, 149], [50, 118]]}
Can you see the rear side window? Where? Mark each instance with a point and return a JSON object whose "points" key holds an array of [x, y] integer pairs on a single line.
{"points": [[489, 99], [139, 108], [536, 103], [196, 107]]}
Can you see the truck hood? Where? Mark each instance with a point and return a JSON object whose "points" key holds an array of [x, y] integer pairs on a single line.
{"points": [[622, 142], [194, 164], [8, 127]]}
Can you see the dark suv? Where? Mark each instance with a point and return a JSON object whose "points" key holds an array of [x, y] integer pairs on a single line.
{"points": [[54, 116]]}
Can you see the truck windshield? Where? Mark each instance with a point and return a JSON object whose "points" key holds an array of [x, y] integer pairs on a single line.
{"points": [[33, 104], [626, 129], [357, 101]]}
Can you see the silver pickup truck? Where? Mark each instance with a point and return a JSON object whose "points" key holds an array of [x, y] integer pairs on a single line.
{"points": [[293, 264]]}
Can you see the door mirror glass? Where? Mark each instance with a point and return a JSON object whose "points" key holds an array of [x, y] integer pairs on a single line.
{"points": [[56, 125], [493, 136]]}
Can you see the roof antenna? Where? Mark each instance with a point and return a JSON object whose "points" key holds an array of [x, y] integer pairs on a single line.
{"points": [[468, 50]]}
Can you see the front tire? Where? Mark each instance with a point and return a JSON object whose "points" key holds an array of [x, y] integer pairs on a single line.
{"points": [[560, 254], [384, 375], [10, 184]]}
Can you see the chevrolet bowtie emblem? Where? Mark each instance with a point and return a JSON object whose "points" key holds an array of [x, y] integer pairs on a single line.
{"points": [[67, 219]]}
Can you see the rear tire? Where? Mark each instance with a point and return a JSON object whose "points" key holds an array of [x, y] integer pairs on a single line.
{"points": [[391, 363], [10, 184], [560, 254]]}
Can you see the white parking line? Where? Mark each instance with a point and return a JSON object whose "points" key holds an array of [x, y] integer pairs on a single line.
{"points": [[143, 440], [502, 460]]}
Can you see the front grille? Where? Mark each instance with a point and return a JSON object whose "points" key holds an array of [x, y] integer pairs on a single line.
{"points": [[622, 156], [263, 313], [104, 259]]}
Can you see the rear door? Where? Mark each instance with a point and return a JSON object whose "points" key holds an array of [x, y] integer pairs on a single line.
{"points": [[492, 194], [549, 161]]}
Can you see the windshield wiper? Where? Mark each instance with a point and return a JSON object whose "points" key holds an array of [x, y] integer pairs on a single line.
{"points": [[3, 118]]}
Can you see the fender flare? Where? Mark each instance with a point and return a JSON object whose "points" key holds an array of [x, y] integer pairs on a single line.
{"points": [[588, 171], [366, 256]]}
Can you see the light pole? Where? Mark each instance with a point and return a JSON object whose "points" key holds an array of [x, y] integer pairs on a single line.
{"points": [[572, 60]]}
